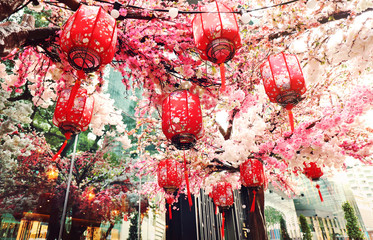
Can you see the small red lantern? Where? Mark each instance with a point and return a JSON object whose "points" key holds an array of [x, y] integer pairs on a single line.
{"points": [[182, 119], [169, 178], [73, 113], [283, 81], [252, 176], [313, 172], [216, 35], [89, 38], [222, 195]]}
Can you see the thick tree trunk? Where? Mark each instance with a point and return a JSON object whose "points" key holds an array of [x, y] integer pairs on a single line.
{"points": [[8, 7], [78, 225], [54, 219], [13, 35], [257, 224]]}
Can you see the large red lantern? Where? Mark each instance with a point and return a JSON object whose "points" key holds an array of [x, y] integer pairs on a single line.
{"points": [[313, 172], [216, 35], [169, 178], [73, 113], [283, 81], [222, 195], [252, 176], [182, 119], [89, 38]]}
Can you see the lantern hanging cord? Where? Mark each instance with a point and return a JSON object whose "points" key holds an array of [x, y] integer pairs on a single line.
{"points": [[184, 12]]}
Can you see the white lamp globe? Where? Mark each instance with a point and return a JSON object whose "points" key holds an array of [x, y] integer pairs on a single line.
{"points": [[245, 18], [173, 12], [114, 13]]}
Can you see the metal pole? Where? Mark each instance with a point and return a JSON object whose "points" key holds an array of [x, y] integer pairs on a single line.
{"points": [[67, 189], [139, 217]]}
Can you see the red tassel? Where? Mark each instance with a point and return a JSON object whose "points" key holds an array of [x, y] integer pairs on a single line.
{"points": [[170, 200], [318, 188], [222, 225], [222, 75], [291, 117], [252, 209], [169, 211], [67, 136], [187, 183], [72, 96], [216, 209]]}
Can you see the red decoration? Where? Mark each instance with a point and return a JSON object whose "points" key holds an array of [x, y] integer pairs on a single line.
{"points": [[222, 194], [73, 113], [252, 176], [283, 81], [169, 178], [89, 38], [182, 119], [169, 175], [216, 35], [313, 172]]}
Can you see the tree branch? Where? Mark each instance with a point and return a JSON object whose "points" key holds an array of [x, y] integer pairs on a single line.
{"points": [[227, 134], [325, 19]]}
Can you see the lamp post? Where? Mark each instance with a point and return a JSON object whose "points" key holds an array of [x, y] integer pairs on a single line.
{"points": [[67, 190]]}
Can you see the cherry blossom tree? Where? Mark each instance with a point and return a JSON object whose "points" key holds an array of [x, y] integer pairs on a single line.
{"points": [[333, 41]]}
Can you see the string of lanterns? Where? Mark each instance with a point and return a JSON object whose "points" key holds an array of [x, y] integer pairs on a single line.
{"points": [[88, 39], [182, 123]]}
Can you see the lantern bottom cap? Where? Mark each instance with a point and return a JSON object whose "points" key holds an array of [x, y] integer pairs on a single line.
{"points": [[170, 189], [83, 58], [70, 127], [184, 141], [289, 97], [220, 50]]}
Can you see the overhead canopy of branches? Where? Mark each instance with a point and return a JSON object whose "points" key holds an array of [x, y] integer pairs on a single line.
{"points": [[333, 41]]}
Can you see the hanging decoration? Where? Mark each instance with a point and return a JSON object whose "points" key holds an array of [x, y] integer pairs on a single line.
{"points": [[182, 123], [169, 178], [283, 81], [252, 176], [89, 38], [182, 119], [72, 115], [222, 195], [216, 35], [313, 172]]}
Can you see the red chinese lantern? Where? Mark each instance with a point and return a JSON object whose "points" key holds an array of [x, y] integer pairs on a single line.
{"points": [[73, 113], [89, 38], [252, 176], [313, 172], [216, 35], [283, 81], [169, 178], [182, 119], [222, 195]]}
